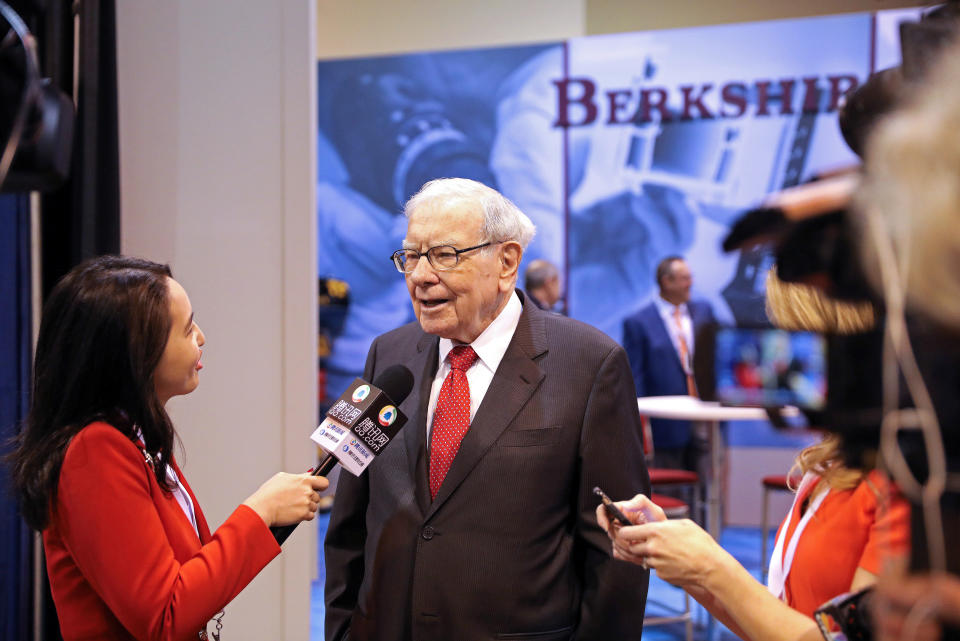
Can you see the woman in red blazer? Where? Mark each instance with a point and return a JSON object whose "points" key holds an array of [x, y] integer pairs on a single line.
{"points": [[129, 553]]}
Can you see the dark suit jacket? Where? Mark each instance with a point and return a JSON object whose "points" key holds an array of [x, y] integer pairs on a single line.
{"points": [[536, 301], [510, 548], [656, 366]]}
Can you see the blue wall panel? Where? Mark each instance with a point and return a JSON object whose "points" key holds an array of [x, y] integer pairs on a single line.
{"points": [[15, 538]]}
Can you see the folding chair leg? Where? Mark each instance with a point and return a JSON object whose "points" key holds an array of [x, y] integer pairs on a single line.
{"points": [[764, 534], [698, 507]]}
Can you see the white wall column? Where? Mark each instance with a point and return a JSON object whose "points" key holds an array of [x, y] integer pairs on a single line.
{"points": [[217, 164]]}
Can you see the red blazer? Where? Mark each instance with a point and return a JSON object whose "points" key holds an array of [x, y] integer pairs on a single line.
{"points": [[123, 559]]}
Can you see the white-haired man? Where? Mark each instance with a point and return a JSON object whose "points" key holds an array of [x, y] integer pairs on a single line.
{"points": [[478, 523]]}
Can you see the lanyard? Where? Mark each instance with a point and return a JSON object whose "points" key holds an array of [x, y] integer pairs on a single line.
{"points": [[179, 490], [781, 563]]}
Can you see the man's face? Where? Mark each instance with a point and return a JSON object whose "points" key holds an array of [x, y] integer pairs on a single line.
{"points": [[677, 283], [552, 288], [459, 303]]}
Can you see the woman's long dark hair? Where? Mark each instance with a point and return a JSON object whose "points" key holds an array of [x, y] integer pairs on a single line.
{"points": [[102, 333]]}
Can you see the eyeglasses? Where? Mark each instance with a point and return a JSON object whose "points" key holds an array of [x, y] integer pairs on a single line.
{"points": [[441, 257]]}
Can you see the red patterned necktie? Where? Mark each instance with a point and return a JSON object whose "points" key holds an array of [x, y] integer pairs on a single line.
{"points": [[451, 419]]}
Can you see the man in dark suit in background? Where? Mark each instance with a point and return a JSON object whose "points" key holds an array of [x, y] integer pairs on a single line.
{"points": [[542, 282], [659, 340], [478, 523]]}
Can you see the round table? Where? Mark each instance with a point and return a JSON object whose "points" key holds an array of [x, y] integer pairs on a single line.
{"points": [[690, 408]]}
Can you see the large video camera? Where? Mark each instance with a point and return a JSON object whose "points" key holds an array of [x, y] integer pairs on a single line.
{"points": [[818, 239], [891, 394], [36, 118]]}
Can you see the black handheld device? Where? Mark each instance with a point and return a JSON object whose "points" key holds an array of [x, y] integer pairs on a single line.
{"points": [[613, 512]]}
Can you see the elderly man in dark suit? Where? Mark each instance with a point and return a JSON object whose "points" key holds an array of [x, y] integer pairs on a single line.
{"points": [[659, 340], [478, 523]]}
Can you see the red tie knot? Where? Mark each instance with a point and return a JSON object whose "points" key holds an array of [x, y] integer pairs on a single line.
{"points": [[462, 357]]}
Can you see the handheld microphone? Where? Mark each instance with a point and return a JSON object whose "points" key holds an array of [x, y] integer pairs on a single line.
{"points": [[359, 425]]}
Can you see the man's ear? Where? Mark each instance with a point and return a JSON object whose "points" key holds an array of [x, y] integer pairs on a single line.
{"points": [[510, 255]]}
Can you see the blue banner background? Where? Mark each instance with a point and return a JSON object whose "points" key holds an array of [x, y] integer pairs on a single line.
{"points": [[610, 198]]}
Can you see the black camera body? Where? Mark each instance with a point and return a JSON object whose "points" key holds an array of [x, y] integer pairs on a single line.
{"points": [[36, 118], [817, 243]]}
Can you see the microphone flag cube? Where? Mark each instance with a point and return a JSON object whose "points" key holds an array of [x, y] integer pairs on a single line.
{"points": [[359, 425]]}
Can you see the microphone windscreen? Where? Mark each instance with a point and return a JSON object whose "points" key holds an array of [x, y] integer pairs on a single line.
{"points": [[396, 382]]}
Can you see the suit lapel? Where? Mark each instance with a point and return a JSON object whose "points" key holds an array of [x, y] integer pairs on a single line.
{"points": [[659, 329], [699, 316], [697, 320], [514, 382], [424, 367]]}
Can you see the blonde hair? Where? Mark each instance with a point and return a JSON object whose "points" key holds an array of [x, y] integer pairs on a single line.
{"points": [[795, 306], [823, 459]]}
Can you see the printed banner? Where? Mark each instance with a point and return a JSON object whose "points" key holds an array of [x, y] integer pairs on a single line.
{"points": [[622, 149]]}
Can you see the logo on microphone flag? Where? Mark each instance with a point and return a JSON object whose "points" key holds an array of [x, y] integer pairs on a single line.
{"points": [[387, 415], [361, 393]]}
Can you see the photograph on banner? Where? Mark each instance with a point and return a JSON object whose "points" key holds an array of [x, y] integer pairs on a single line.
{"points": [[387, 125], [622, 149]]}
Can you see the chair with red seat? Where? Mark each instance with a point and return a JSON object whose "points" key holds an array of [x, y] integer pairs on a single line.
{"points": [[674, 508], [663, 477]]}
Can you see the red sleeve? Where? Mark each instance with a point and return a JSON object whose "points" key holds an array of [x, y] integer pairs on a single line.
{"points": [[111, 527], [889, 536]]}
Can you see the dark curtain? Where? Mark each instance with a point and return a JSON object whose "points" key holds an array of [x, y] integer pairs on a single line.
{"points": [[79, 220], [15, 537], [82, 218]]}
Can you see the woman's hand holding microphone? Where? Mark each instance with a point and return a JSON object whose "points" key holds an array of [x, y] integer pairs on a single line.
{"points": [[287, 499]]}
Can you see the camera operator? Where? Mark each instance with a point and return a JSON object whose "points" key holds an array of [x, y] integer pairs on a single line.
{"points": [[843, 526], [895, 243], [910, 207]]}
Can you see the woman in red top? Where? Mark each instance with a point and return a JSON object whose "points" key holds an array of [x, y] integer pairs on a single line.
{"points": [[843, 525], [129, 553]]}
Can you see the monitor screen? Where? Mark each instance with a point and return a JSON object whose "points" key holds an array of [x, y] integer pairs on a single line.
{"points": [[770, 368]]}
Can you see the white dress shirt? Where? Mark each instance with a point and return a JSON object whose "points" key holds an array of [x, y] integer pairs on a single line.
{"points": [[490, 347], [667, 312], [183, 498]]}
